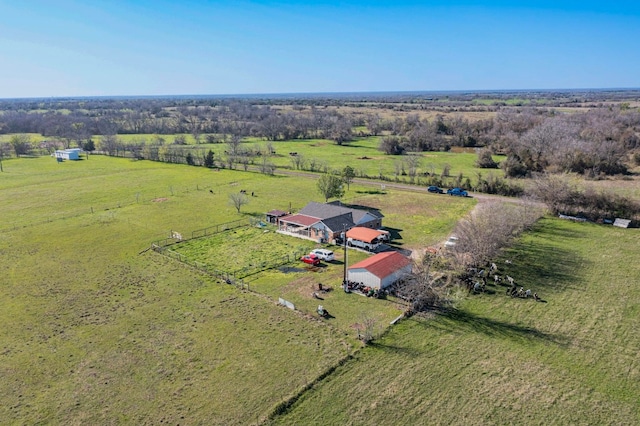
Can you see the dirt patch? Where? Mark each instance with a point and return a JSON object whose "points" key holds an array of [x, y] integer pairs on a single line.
{"points": [[159, 200], [290, 269]]}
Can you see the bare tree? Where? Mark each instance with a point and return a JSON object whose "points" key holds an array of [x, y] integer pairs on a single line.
{"points": [[313, 164], [341, 130], [413, 162], [298, 161], [374, 124], [446, 170], [233, 146], [267, 167], [425, 288], [485, 159], [238, 199], [109, 144], [368, 328], [489, 229], [233, 150], [269, 150], [398, 167], [391, 145], [5, 150]]}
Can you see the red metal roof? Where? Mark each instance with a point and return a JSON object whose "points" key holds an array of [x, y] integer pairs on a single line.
{"points": [[299, 219], [383, 264], [363, 234]]}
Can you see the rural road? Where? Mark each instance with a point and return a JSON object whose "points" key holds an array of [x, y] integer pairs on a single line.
{"points": [[403, 186]]}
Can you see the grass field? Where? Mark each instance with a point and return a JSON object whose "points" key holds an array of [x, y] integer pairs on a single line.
{"points": [[94, 332], [362, 154], [571, 360]]}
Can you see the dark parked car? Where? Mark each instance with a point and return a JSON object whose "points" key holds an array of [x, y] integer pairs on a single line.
{"points": [[435, 190], [459, 192]]}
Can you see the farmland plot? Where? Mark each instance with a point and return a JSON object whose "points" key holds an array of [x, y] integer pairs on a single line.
{"points": [[244, 251], [571, 359], [95, 333]]}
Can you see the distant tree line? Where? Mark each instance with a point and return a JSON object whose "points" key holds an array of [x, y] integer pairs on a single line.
{"points": [[594, 142], [234, 118], [601, 139]]}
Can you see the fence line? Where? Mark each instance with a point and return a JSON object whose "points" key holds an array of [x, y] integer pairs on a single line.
{"points": [[215, 229], [269, 264], [236, 277], [227, 277]]}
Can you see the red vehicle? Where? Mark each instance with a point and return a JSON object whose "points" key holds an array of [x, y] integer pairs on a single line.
{"points": [[311, 259]]}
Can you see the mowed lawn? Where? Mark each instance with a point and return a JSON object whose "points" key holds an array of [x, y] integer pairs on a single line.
{"points": [[97, 331], [573, 359]]}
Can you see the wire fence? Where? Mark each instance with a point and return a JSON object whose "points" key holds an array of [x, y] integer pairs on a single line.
{"points": [[236, 277], [272, 263], [227, 277], [215, 229]]}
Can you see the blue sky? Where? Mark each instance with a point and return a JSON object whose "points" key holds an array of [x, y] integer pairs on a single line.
{"points": [[145, 47]]}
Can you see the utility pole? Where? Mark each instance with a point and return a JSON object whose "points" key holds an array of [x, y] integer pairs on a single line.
{"points": [[344, 244]]}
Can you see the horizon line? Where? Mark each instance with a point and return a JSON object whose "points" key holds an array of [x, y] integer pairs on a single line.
{"points": [[320, 94]]}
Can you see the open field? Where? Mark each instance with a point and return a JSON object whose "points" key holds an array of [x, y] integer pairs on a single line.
{"points": [[362, 154], [498, 360], [94, 332]]}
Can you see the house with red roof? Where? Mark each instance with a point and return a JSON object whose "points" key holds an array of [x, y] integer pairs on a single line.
{"points": [[380, 270]]}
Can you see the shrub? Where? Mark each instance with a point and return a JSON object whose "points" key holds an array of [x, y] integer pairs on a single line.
{"points": [[485, 160]]}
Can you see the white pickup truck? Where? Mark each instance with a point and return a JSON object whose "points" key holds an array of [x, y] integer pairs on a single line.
{"points": [[361, 244]]}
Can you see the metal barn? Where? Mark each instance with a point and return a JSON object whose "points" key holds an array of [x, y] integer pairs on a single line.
{"points": [[380, 270]]}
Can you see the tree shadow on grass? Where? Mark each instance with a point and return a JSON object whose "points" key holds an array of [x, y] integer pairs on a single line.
{"points": [[372, 192], [460, 321], [544, 267]]}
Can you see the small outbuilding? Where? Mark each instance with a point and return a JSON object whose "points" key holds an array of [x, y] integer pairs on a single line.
{"points": [[68, 154], [273, 215], [380, 270]]}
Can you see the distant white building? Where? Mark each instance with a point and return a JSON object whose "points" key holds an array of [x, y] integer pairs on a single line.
{"points": [[68, 154]]}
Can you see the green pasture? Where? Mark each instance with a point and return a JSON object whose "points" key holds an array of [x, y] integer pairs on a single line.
{"points": [[186, 198], [95, 334], [251, 248], [96, 330], [572, 359], [362, 154], [35, 137]]}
